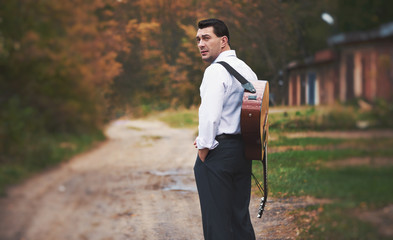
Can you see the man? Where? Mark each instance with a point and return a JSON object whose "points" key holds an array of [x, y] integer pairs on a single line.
{"points": [[222, 174]]}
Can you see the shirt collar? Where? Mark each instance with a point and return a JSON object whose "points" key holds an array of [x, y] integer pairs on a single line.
{"points": [[225, 54]]}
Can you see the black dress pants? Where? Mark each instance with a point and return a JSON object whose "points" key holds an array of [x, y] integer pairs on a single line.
{"points": [[224, 187]]}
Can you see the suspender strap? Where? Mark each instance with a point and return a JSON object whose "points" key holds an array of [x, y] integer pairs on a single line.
{"points": [[245, 84]]}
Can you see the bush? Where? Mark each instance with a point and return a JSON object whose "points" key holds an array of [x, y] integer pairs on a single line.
{"points": [[338, 117], [382, 113]]}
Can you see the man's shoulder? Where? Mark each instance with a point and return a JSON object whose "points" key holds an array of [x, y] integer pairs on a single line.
{"points": [[215, 68], [240, 66]]}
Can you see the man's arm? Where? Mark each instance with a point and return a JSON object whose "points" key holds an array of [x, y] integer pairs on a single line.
{"points": [[212, 100]]}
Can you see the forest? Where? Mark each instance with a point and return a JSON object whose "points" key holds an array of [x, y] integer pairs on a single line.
{"points": [[69, 67]]}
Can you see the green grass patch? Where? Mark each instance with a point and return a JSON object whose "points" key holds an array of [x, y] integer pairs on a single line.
{"points": [[180, 119], [296, 173], [337, 117], [338, 222], [283, 141], [350, 188], [364, 143]]}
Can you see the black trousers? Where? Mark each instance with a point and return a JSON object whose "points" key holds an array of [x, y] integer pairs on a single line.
{"points": [[224, 187]]}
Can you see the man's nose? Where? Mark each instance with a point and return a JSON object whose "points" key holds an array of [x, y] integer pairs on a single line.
{"points": [[201, 44]]}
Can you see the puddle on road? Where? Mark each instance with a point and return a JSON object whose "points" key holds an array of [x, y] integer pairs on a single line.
{"points": [[181, 180]]}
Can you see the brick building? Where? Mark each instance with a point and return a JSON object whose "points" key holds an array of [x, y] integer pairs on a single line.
{"points": [[358, 64]]}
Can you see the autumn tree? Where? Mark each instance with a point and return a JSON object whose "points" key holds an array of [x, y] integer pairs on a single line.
{"points": [[159, 65], [57, 60]]}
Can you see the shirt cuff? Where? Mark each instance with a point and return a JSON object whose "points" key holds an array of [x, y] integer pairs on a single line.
{"points": [[201, 144]]}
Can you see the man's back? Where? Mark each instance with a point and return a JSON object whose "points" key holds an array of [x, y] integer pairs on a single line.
{"points": [[222, 94]]}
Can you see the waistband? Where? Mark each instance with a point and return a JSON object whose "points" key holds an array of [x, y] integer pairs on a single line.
{"points": [[228, 136]]}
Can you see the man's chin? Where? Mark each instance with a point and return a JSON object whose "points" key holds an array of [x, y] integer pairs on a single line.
{"points": [[207, 59]]}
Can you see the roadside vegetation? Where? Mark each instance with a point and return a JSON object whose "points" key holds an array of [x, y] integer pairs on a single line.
{"points": [[357, 187], [43, 152], [354, 175], [356, 115]]}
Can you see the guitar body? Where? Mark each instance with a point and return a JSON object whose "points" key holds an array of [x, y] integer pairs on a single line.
{"points": [[254, 120], [255, 127]]}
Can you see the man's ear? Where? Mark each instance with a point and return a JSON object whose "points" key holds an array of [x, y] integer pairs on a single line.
{"points": [[224, 41]]}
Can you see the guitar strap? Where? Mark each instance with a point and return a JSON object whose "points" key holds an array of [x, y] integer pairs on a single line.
{"points": [[245, 84]]}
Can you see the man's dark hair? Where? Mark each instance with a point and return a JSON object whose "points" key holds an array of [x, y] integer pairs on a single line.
{"points": [[219, 27]]}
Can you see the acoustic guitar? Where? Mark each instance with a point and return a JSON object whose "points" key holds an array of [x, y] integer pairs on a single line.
{"points": [[254, 114], [254, 120], [254, 126]]}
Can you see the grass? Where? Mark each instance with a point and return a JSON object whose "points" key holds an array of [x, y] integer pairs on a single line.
{"points": [[298, 173], [306, 141], [180, 119], [336, 117], [335, 222], [351, 189]]}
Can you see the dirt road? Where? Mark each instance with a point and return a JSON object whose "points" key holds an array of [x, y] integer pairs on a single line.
{"points": [[137, 185]]}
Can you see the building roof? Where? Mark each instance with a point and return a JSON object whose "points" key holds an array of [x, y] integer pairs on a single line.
{"points": [[384, 31], [319, 57], [329, 55]]}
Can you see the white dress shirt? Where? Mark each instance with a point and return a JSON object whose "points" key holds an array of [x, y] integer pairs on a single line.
{"points": [[221, 100]]}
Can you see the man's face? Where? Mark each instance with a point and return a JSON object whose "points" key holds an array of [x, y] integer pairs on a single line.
{"points": [[209, 44]]}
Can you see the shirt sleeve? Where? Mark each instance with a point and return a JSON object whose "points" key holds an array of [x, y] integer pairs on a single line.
{"points": [[212, 98]]}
